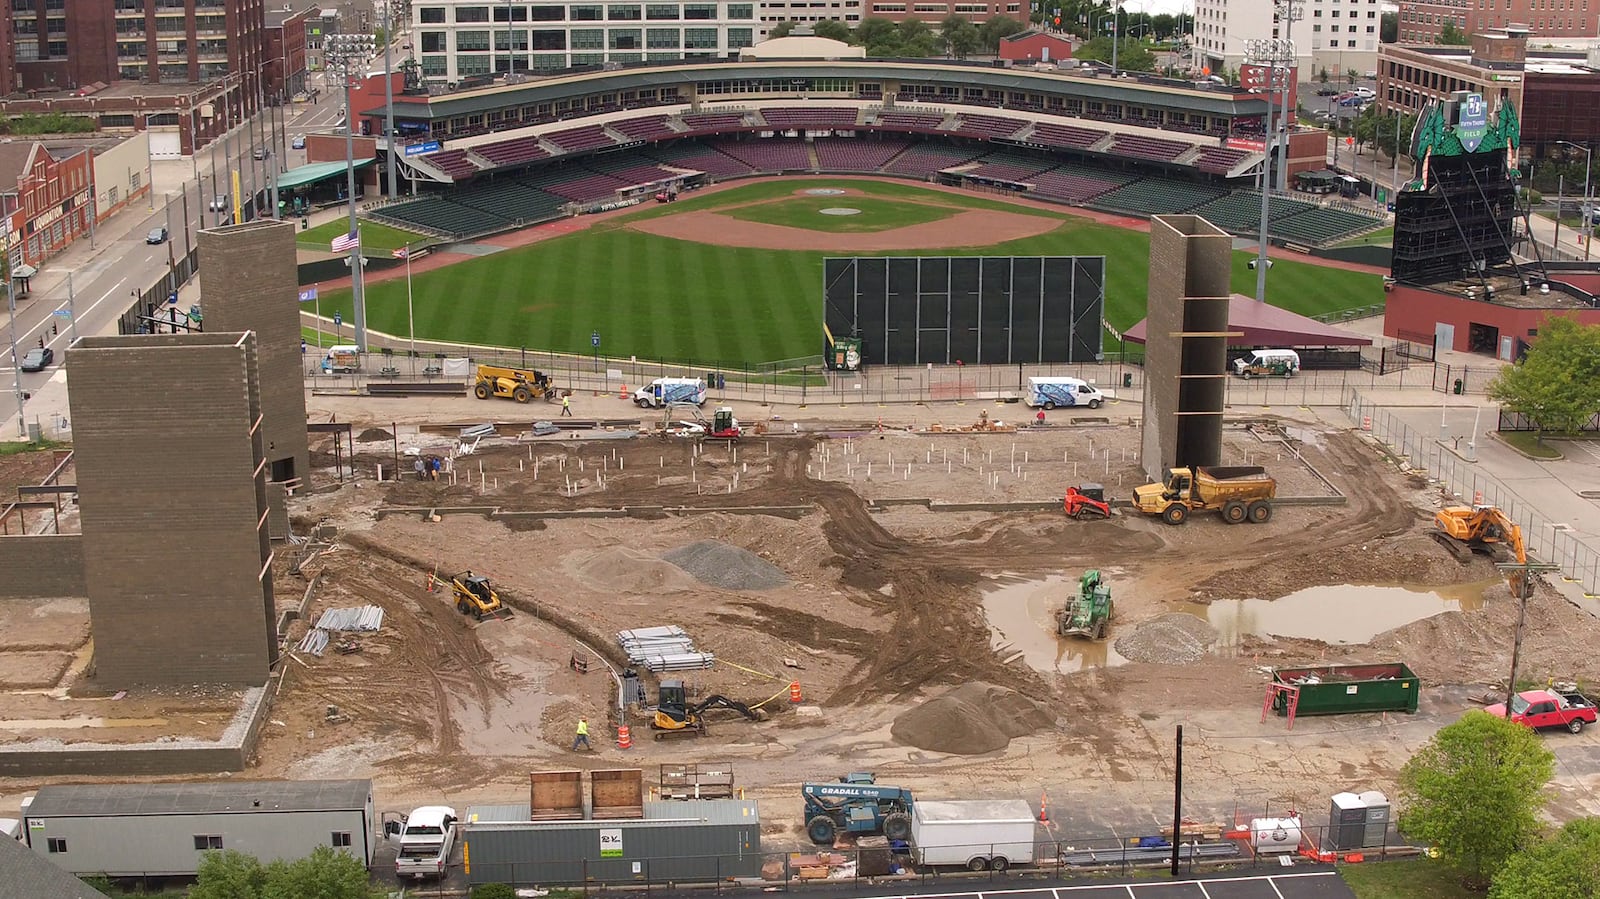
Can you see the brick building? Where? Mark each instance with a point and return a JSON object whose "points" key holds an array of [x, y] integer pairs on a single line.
{"points": [[133, 400], [1421, 21], [45, 199], [285, 70], [1035, 46]]}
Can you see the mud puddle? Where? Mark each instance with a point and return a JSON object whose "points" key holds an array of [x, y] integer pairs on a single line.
{"points": [[1342, 613], [1021, 614]]}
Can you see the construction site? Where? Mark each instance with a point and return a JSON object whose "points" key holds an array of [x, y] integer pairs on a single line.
{"points": [[861, 596]]}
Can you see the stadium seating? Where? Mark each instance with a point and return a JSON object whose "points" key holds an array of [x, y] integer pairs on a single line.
{"points": [[1241, 211], [922, 160], [902, 121], [513, 201], [1142, 147], [1076, 184], [589, 137], [987, 126], [453, 163], [1009, 167], [649, 128], [820, 119], [700, 158], [712, 122], [1157, 196], [1065, 135], [442, 216], [854, 155], [1220, 160], [1322, 225], [576, 183], [512, 152], [774, 154], [629, 168]]}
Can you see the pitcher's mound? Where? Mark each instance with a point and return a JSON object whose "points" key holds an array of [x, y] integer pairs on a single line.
{"points": [[970, 720]]}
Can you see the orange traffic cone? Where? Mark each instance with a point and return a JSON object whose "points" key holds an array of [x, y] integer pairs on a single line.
{"points": [[1044, 808], [622, 394], [624, 738], [794, 691]]}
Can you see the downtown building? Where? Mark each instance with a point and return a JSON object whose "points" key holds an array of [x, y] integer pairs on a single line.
{"points": [[1421, 22], [1337, 35]]}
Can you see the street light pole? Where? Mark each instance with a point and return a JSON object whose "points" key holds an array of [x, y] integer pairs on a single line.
{"points": [[1270, 53], [344, 53], [11, 301], [1288, 11], [388, 88]]}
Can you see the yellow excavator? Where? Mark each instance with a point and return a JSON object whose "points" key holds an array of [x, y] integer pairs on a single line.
{"points": [[475, 597], [1464, 530]]}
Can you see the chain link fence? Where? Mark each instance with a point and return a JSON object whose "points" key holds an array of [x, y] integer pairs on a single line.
{"points": [[1550, 542]]}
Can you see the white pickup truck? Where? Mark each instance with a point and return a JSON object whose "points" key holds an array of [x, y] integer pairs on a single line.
{"points": [[425, 839]]}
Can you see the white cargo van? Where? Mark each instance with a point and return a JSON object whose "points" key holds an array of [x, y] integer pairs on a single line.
{"points": [[425, 839], [665, 391], [1052, 392], [1268, 363]]}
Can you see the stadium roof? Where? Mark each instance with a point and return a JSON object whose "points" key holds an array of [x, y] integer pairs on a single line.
{"points": [[316, 171], [1265, 325], [803, 46]]}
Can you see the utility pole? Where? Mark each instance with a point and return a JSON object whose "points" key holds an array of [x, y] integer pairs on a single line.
{"points": [[345, 53], [1520, 576], [1177, 802], [11, 301]]}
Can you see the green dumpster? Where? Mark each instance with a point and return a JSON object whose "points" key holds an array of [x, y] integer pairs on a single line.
{"points": [[1343, 689]]}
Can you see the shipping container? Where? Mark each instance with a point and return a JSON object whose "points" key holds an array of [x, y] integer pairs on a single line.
{"points": [[698, 841], [977, 834], [164, 829], [1342, 689]]}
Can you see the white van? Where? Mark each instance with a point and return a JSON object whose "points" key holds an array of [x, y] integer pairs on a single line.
{"points": [[665, 391], [342, 359], [1267, 363], [1050, 393]]}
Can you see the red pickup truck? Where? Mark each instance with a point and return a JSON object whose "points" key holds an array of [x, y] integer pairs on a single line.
{"points": [[1546, 708]]}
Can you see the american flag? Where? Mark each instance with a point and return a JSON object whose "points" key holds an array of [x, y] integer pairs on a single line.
{"points": [[345, 242], [402, 253]]}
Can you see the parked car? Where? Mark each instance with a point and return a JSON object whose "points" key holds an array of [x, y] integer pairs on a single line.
{"points": [[260, 153], [1365, 93], [1548, 708], [38, 359], [298, 142], [219, 203], [156, 235]]}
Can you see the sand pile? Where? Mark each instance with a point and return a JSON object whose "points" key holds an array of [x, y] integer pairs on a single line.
{"points": [[1174, 639], [622, 570], [719, 564], [970, 719], [373, 435]]}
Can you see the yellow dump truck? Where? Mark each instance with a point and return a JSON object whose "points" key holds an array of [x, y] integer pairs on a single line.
{"points": [[1239, 492], [511, 383]]}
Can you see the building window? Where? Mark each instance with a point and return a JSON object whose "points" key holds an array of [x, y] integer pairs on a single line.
{"points": [[661, 38], [661, 12], [549, 40], [471, 40], [700, 11], [433, 42], [341, 839], [435, 66], [434, 15], [743, 11], [587, 14], [628, 13], [57, 845], [207, 841], [471, 14], [740, 37]]}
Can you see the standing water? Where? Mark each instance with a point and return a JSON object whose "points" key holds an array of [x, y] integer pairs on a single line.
{"points": [[1342, 613], [1022, 618]]}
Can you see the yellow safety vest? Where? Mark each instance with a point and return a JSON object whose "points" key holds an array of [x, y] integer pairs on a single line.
{"points": [[583, 728]]}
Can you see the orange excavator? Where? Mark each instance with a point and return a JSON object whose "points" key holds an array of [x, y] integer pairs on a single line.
{"points": [[1464, 530]]}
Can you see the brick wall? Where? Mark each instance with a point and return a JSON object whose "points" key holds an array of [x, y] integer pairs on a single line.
{"points": [[42, 565], [169, 475], [248, 282]]}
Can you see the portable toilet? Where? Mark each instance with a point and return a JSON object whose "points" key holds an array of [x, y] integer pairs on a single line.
{"points": [[1347, 822], [1378, 816]]}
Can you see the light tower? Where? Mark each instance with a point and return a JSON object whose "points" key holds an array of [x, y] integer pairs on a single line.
{"points": [[347, 54], [1271, 53]]}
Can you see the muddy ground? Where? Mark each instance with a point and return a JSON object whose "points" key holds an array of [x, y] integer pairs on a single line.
{"points": [[882, 611]]}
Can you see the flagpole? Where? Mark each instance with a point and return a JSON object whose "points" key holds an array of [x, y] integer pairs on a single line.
{"points": [[318, 297], [411, 319]]}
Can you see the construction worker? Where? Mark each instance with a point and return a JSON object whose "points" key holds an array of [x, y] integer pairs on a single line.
{"points": [[1040, 418], [566, 405], [582, 739]]}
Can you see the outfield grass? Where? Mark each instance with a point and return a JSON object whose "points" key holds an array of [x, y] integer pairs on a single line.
{"points": [[876, 214], [659, 298], [373, 236], [1412, 879]]}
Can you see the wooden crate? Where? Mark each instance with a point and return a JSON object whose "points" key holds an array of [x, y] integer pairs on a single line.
{"points": [[556, 795], [617, 793]]}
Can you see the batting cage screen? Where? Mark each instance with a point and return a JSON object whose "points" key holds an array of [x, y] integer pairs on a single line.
{"points": [[979, 310]]}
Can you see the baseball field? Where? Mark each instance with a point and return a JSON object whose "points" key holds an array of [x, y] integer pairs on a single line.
{"points": [[733, 277]]}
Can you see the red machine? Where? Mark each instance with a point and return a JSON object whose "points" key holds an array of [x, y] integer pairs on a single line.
{"points": [[1086, 501]]}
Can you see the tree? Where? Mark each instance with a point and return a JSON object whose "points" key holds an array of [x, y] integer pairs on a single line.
{"points": [[228, 874], [1389, 28], [1566, 867], [878, 34], [324, 874], [995, 29], [1451, 36], [782, 29], [1350, 76], [918, 40], [1131, 55], [835, 30], [1474, 791], [1557, 384], [1322, 75], [1163, 25], [960, 35]]}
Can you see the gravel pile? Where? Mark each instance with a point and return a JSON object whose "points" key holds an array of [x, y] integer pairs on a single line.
{"points": [[1174, 639], [373, 435], [719, 564], [971, 719]]}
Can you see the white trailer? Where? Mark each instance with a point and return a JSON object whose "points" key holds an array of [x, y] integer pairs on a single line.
{"points": [[164, 829], [979, 834]]}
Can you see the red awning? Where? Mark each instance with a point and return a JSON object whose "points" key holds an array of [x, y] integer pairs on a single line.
{"points": [[1265, 325]]}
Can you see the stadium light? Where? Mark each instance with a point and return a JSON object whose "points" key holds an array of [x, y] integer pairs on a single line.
{"points": [[1272, 54], [346, 54]]}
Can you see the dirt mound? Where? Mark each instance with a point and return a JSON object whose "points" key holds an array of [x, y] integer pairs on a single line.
{"points": [[719, 564], [970, 720], [373, 435], [1174, 639], [629, 571]]}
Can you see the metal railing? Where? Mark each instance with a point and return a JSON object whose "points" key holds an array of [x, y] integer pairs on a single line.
{"points": [[1558, 545]]}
